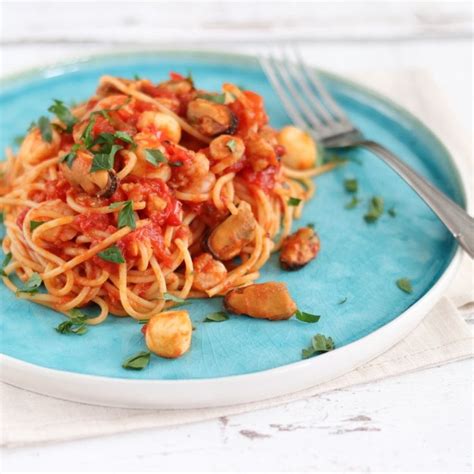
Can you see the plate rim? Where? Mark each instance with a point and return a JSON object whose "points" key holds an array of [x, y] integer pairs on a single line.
{"points": [[227, 390]]}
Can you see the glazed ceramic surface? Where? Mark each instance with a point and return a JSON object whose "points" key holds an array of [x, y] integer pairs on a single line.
{"points": [[351, 284]]}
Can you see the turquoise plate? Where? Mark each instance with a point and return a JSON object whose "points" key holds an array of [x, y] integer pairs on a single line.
{"points": [[358, 263]]}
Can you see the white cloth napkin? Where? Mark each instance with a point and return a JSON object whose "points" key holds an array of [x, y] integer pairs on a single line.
{"points": [[442, 337]]}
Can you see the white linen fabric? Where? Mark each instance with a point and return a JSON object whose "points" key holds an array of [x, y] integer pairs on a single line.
{"points": [[444, 336]]}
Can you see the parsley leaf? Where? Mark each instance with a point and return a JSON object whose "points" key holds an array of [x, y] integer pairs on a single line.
{"points": [[2, 217], [292, 201], [405, 285], [35, 224], [45, 128], [124, 136], [112, 254], [352, 203], [216, 317], [176, 299], [32, 285], [63, 114], [307, 317], [5, 262], [311, 225], [76, 325], [155, 157], [136, 77], [137, 361], [375, 209], [217, 98], [71, 156], [86, 136], [231, 145], [392, 212], [105, 161], [351, 185], [319, 343], [126, 216], [18, 140], [343, 300]]}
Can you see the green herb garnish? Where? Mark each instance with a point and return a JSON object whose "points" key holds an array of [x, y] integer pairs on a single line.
{"points": [[216, 317], [112, 254], [319, 343], [343, 300], [351, 185], [18, 140], [105, 161], [137, 361], [155, 157], [217, 98], [63, 114], [175, 299], [311, 225], [392, 212], [375, 209], [405, 285], [124, 136], [126, 216], [5, 262], [32, 285], [292, 201], [86, 136], [45, 128], [352, 203], [76, 325], [35, 224], [307, 317], [231, 145], [71, 156]]}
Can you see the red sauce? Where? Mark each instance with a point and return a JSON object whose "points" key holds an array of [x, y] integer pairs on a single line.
{"points": [[265, 179], [175, 76], [249, 116], [66, 141], [144, 328], [86, 223], [102, 125], [21, 217], [57, 189]]}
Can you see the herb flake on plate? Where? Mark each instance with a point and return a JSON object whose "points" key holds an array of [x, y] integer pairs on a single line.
{"points": [[216, 317], [376, 206], [405, 285], [137, 361], [307, 317], [319, 344], [112, 254]]}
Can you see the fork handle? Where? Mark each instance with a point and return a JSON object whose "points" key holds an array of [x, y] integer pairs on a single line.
{"points": [[456, 219]]}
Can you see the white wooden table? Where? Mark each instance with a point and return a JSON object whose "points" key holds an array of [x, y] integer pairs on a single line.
{"points": [[417, 422]]}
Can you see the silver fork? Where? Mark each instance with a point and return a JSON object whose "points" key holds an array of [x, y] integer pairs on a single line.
{"points": [[312, 108]]}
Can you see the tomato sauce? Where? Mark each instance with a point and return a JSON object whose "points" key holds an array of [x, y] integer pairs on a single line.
{"points": [[251, 115], [86, 223], [265, 179]]}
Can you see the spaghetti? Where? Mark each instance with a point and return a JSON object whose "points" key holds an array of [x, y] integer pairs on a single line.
{"points": [[145, 195]]}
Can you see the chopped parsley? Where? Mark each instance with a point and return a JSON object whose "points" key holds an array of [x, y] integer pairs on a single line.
{"points": [[126, 216], [71, 156], [75, 325], [375, 210], [35, 224], [45, 128], [216, 317], [155, 157], [217, 98], [351, 185], [343, 300], [32, 285], [63, 114], [307, 317], [392, 212], [231, 145], [86, 136], [112, 254], [319, 343], [137, 361], [175, 299], [311, 225], [5, 262], [352, 203], [105, 161], [405, 285], [292, 201]]}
